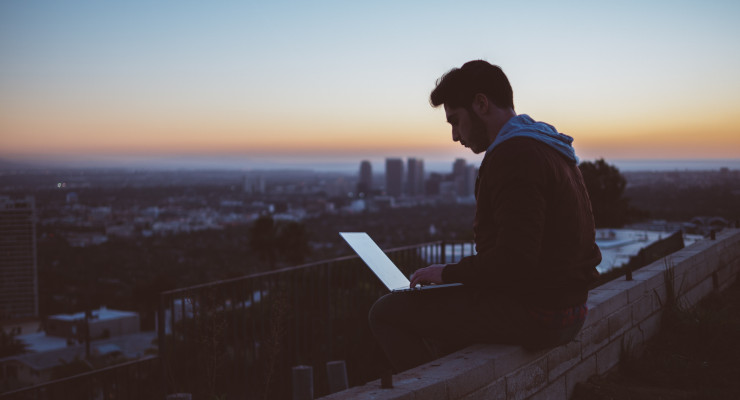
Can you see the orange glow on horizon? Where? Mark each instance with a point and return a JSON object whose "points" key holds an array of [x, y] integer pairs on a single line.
{"points": [[311, 134]]}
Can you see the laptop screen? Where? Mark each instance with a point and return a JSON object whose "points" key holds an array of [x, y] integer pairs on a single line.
{"points": [[374, 257]]}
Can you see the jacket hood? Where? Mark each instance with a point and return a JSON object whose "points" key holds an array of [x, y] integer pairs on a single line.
{"points": [[524, 126]]}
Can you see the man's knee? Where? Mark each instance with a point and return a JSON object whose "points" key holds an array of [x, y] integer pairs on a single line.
{"points": [[380, 312]]}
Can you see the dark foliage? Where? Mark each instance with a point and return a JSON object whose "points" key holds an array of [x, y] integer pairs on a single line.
{"points": [[605, 187]]}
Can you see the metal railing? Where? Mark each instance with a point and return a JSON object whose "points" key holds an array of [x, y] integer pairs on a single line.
{"points": [[133, 380], [241, 336]]}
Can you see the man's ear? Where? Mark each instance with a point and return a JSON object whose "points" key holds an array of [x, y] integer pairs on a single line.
{"points": [[480, 104]]}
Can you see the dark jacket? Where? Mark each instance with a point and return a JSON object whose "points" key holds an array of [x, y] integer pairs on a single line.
{"points": [[534, 229]]}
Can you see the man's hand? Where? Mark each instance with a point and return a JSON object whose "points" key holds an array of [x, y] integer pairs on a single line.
{"points": [[427, 275]]}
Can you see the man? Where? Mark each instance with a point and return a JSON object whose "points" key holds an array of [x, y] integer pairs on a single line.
{"points": [[534, 235]]}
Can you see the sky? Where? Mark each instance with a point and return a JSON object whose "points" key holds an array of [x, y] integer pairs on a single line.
{"points": [[243, 82]]}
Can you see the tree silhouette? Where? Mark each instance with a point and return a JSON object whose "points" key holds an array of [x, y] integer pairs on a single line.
{"points": [[293, 242], [605, 185], [263, 239], [9, 345]]}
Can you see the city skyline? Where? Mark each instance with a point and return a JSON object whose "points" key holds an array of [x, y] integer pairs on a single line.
{"points": [[285, 82]]}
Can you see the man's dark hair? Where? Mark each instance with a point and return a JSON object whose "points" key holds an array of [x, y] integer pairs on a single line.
{"points": [[458, 87]]}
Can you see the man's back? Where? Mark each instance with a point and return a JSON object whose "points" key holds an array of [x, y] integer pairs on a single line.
{"points": [[534, 230]]}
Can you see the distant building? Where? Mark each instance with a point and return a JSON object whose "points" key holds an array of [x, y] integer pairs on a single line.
{"points": [[464, 177], [365, 184], [254, 184], [394, 177], [431, 186], [102, 323], [35, 368], [415, 177], [18, 265]]}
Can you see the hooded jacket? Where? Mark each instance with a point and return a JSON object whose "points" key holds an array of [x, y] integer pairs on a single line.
{"points": [[534, 228]]}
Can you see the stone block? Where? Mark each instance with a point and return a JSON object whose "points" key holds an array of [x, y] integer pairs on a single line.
{"points": [[681, 268], [602, 302], [608, 357], [643, 308], [699, 273], [657, 265], [633, 287], [422, 387], [680, 261], [554, 391], [506, 358], [494, 391], [634, 342], [727, 281], [619, 321], [650, 326], [562, 358], [594, 337], [693, 296], [651, 278], [461, 373], [712, 256], [660, 296], [735, 266], [526, 380], [372, 391], [579, 373]]}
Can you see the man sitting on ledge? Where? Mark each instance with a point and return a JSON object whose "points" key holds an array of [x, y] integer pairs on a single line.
{"points": [[534, 235]]}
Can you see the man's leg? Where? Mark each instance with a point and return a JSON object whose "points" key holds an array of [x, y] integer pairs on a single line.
{"points": [[455, 316]]}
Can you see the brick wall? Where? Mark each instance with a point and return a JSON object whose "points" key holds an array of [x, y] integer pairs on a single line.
{"points": [[622, 316]]}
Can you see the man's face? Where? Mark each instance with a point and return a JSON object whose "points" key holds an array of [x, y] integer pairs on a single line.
{"points": [[467, 128]]}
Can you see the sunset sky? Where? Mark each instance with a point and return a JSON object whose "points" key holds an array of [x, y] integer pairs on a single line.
{"points": [[340, 80]]}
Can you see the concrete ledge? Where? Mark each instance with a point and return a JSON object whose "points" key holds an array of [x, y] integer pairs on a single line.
{"points": [[622, 316]]}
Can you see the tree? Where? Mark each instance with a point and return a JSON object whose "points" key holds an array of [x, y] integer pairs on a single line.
{"points": [[605, 185], [263, 239], [293, 242], [9, 345]]}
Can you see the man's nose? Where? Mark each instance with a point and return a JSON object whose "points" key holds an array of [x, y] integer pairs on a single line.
{"points": [[455, 136]]}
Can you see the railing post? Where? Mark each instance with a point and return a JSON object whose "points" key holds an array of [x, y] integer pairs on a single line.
{"points": [[303, 382], [161, 341], [443, 253], [386, 380], [336, 372], [329, 316]]}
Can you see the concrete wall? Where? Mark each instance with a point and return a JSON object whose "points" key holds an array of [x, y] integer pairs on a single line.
{"points": [[622, 316]]}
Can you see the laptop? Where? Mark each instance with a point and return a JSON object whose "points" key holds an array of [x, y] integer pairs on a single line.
{"points": [[381, 265]]}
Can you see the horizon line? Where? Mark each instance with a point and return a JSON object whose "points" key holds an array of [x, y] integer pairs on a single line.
{"points": [[434, 164]]}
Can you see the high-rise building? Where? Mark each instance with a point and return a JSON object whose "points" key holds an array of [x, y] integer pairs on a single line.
{"points": [[458, 167], [365, 184], [18, 271], [394, 176], [461, 175], [415, 177], [472, 176], [254, 184]]}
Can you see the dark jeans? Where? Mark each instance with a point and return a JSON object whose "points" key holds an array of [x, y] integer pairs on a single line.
{"points": [[405, 324]]}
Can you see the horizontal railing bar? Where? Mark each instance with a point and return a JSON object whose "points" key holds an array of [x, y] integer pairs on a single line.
{"points": [[83, 375], [297, 267]]}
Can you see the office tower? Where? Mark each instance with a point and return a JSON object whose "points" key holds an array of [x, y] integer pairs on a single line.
{"points": [[254, 184], [470, 178], [461, 177], [431, 186], [458, 167], [394, 176], [365, 184], [18, 274], [415, 177]]}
